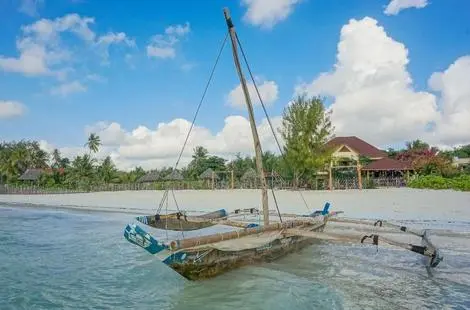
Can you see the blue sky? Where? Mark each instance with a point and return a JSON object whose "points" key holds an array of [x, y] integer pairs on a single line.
{"points": [[290, 43]]}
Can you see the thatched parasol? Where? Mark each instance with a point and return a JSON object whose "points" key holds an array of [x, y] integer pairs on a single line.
{"points": [[174, 176], [152, 176], [31, 175]]}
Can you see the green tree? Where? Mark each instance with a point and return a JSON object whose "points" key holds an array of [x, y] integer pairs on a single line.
{"points": [[392, 153], [240, 165], [417, 145], [16, 157], [201, 162], [306, 128], [93, 143], [82, 172], [56, 158], [200, 153], [107, 171], [271, 162]]}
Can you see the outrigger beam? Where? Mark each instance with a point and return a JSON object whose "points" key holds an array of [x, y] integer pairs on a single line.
{"points": [[426, 250]]}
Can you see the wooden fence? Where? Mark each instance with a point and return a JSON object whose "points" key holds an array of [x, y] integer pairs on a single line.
{"points": [[338, 184]]}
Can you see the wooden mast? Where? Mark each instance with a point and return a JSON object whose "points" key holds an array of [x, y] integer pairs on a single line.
{"points": [[258, 151]]}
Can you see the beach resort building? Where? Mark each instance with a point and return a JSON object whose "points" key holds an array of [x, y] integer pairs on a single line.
{"points": [[354, 158]]}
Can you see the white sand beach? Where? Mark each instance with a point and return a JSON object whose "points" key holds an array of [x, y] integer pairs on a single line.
{"points": [[389, 204]]}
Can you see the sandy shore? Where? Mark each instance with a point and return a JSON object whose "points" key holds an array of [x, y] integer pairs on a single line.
{"points": [[397, 203]]}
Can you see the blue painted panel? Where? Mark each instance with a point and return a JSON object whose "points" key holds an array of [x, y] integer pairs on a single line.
{"points": [[136, 235]]}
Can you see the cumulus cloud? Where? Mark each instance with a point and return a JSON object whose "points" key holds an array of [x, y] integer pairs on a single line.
{"points": [[268, 90], [157, 147], [395, 6], [66, 89], [42, 50], [372, 90], [163, 45], [453, 126], [267, 13], [10, 109]]}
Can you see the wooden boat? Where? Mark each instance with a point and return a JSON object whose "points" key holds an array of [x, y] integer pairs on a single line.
{"points": [[180, 222], [207, 256]]}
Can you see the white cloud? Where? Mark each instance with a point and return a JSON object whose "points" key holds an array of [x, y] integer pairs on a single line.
{"points": [[66, 89], [160, 146], [267, 13], [163, 45], [40, 48], [453, 126], [268, 90], [112, 38], [372, 89], [32, 61], [178, 30], [395, 6], [30, 7], [43, 50], [161, 52], [46, 30], [10, 109]]}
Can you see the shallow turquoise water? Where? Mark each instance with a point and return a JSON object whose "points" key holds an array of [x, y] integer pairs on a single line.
{"points": [[71, 260]]}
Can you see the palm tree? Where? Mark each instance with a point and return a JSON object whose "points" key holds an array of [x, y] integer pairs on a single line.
{"points": [[37, 156], [107, 171], [82, 172], [56, 158], [200, 152], [93, 143]]}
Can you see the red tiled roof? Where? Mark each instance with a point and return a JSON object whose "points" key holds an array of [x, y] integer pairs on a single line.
{"points": [[360, 146], [388, 164]]}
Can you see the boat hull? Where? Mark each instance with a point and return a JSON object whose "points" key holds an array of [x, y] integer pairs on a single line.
{"points": [[215, 262], [209, 260]]}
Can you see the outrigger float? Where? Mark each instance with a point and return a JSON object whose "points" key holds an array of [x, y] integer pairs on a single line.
{"points": [[249, 241]]}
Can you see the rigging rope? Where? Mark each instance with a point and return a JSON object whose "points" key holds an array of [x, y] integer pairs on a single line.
{"points": [[165, 195], [269, 122]]}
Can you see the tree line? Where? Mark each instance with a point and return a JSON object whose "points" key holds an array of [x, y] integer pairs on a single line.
{"points": [[306, 129]]}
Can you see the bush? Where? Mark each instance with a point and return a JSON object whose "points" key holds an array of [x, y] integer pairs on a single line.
{"points": [[438, 182], [368, 184]]}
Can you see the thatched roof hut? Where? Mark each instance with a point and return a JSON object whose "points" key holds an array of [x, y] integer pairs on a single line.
{"points": [[175, 175], [250, 175], [31, 175], [150, 177], [207, 175]]}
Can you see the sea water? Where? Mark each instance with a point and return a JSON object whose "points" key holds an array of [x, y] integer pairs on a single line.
{"points": [[59, 259]]}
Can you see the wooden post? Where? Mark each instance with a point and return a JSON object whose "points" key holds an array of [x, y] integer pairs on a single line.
{"points": [[330, 178], [251, 114], [213, 179], [233, 183], [359, 176]]}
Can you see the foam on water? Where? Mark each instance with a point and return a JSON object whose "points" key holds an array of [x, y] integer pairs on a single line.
{"points": [[70, 260]]}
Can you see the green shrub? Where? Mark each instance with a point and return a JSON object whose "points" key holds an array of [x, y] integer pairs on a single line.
{"points": [[368, 184], [461, 182]]}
